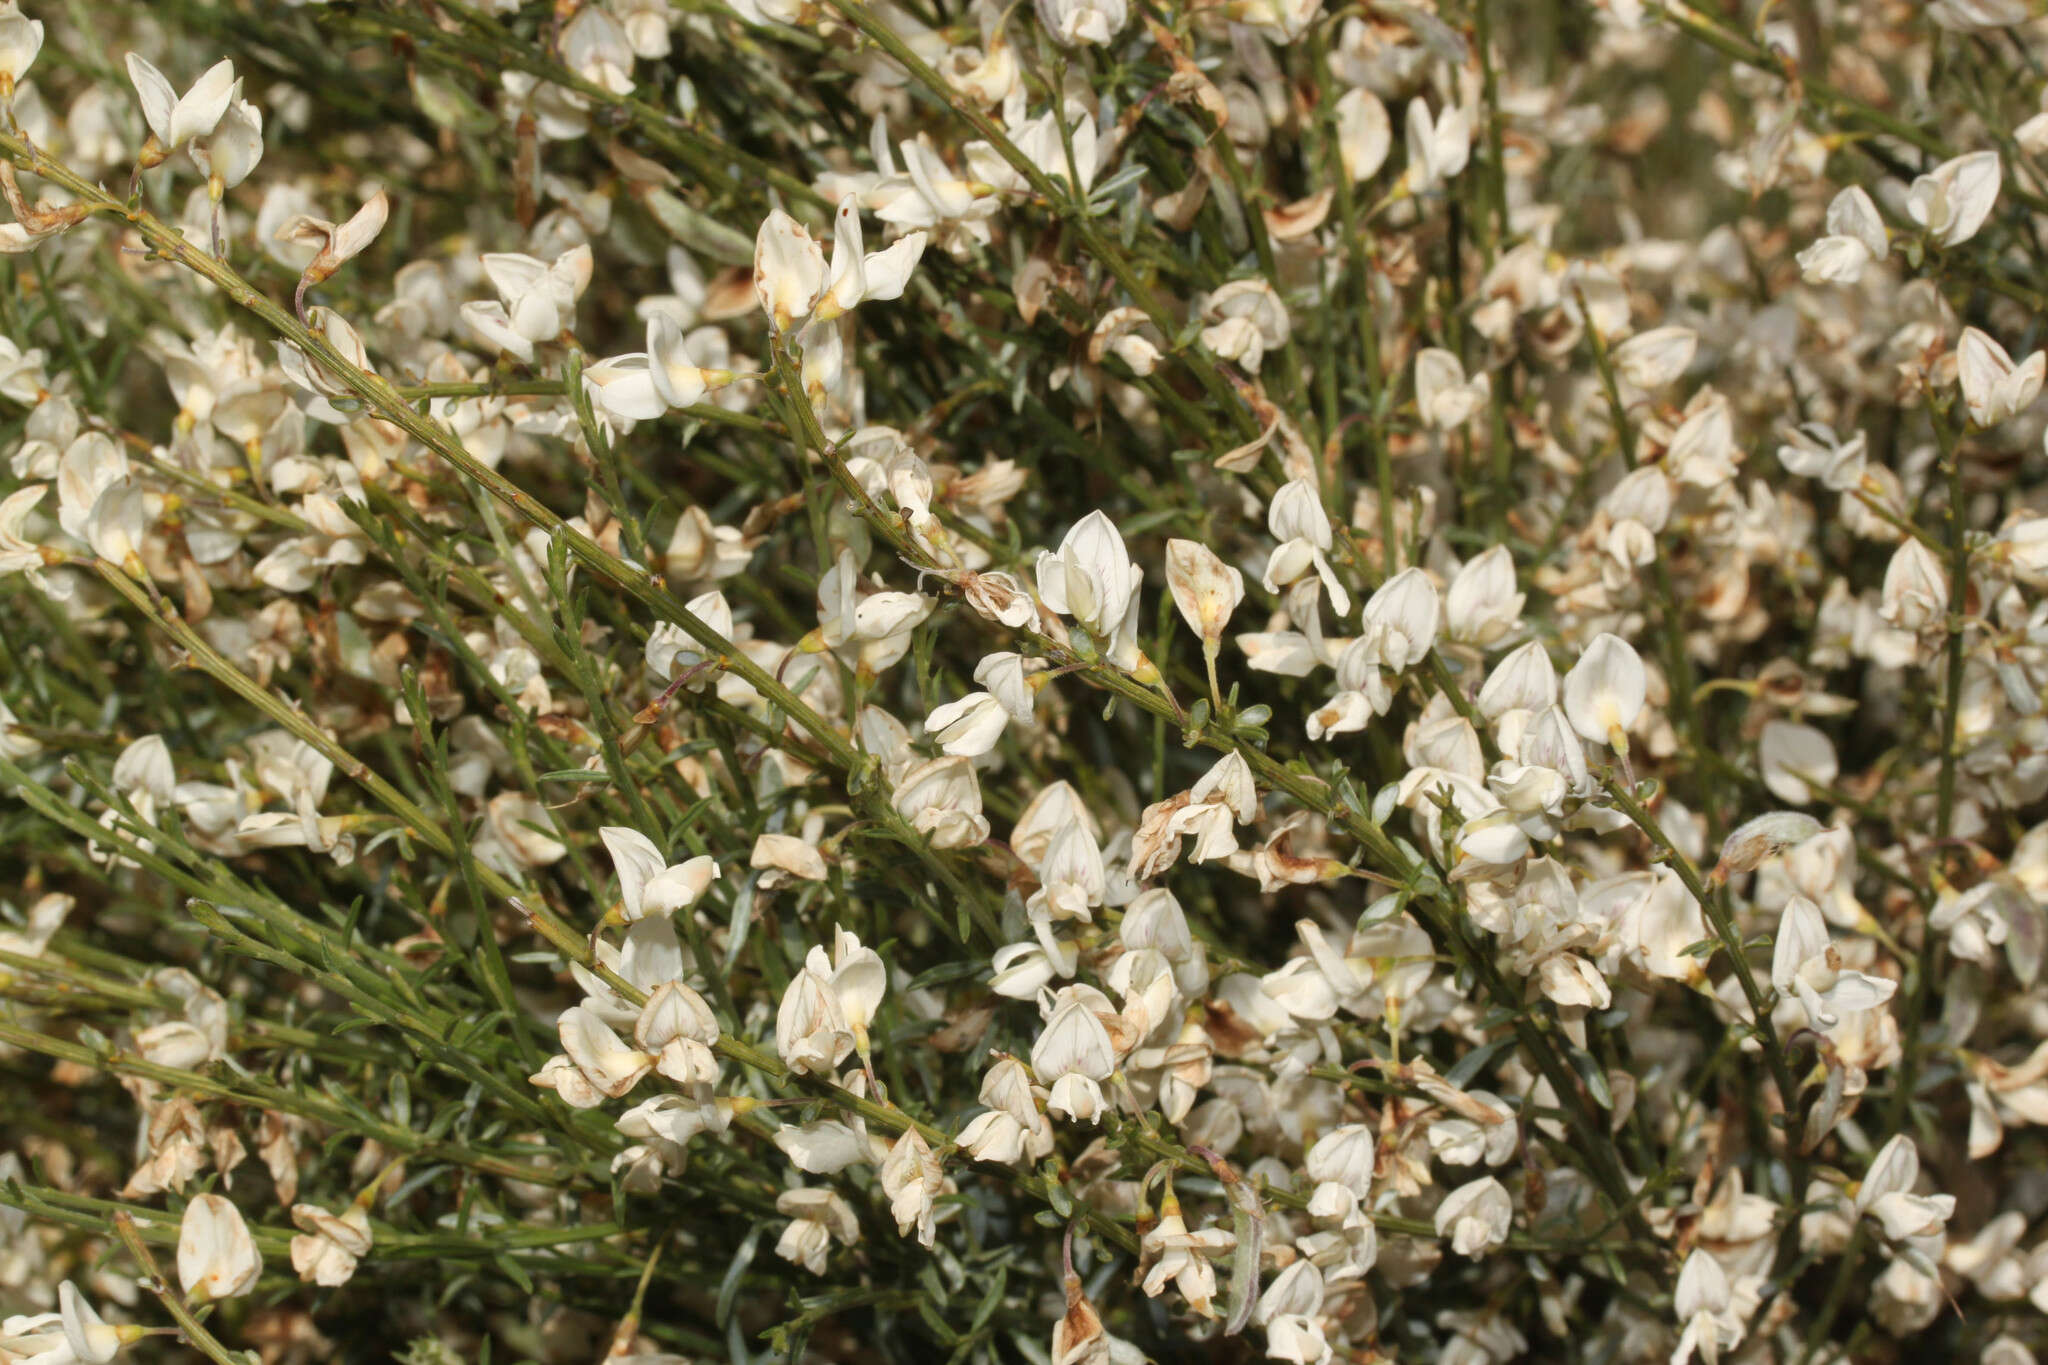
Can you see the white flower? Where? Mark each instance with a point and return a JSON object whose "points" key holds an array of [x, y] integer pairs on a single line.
{"points": [[1705, 1304], [1077, 1098], [1660, 924], [90, 1339], [1953, 200], [1977, 15], [594, 45], [1525, 680], [942, 800], [1364, 134], [824, 1146], [536, 299], [1297, 520], [928, 193], [1073, 1042], [174, 119], [1083, 21], [1278, 21], [1790, 755], [21, 38], [1008, 680], [1345, 1155], [1182, 1258], [37, 1338], [561, 1075], [1977, 920], [1993, 387], [970, 726], [1916, 586], [601, 1055], [1886, 1194], [1803, 962], [1653, 359], [18, 553], [678, 379], [1438, 148], [1247, 319], [912, 1180], [996, 1136], [1604, 692], [857, 979], [678, 1027], [1091, 577], [1128, 334], [789, 269], [622, 388], [1812, 451], [1481, 607], [1476, 1216], [648, 883], [1023, 969], [217, 1258], [1442, 393], [858, 275], [811, 1031], [1013, 1130], [1855, 237], [233, 148], [1401, 620]]}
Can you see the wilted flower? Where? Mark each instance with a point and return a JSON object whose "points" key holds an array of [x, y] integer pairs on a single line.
{"points": [[819, 1218], [1205, 589], [330, 1245]]}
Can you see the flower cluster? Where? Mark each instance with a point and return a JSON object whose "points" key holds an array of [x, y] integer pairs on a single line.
{"points": [[827, 680]]}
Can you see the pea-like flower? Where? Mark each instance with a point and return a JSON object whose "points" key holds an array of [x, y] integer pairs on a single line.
{"points": [[1091, 577], [217, 1259]]}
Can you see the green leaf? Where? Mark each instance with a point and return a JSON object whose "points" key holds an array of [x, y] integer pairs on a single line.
{"points": [[514, 1272], [1594, 1076], [991, 1300], [729, 1288], [742, 918]]}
